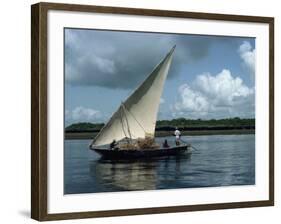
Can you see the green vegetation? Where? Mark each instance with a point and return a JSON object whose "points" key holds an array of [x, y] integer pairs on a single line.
{"points": [[84, 127], [182, 123], [228, 122]]}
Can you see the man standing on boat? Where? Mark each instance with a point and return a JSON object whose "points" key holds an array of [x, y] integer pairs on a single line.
{"points": [[177, 134]]}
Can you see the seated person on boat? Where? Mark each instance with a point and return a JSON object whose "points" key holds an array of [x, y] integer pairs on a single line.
{"points": [[113, 145], [165, 144]]}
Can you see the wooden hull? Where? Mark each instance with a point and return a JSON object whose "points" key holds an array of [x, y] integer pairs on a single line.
{"points": [[142, 153]]}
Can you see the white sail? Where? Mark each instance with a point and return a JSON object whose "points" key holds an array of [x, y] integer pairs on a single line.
{"points": [[136, 117]]}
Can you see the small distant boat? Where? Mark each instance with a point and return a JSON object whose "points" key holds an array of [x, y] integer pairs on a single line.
{"points": [[136, 119]]}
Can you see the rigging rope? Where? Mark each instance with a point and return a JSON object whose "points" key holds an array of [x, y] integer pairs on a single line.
{"points": [[122, 113], [134, 118], [128, 127], [122, 123]]}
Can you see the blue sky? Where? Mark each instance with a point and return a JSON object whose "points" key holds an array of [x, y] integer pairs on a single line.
{"points": [[210, 76]]}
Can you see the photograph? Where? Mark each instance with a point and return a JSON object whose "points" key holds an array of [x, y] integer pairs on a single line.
{"points": [[140, 111], [150, 111]]}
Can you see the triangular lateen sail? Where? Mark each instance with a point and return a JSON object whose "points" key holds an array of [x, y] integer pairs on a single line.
{"points": [[136, 117]]}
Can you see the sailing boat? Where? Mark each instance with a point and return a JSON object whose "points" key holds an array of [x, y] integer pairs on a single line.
{"points": [[135, 120]]}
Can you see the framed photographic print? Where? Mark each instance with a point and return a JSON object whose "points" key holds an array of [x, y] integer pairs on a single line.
{"points": [[139, 111]]}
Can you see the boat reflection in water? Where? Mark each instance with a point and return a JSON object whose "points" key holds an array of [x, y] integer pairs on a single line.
{"points": [[140, 174]]}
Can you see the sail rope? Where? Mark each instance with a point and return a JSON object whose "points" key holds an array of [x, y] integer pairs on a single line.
{"points": [[134, 118], [127, 122], [123, 123]]}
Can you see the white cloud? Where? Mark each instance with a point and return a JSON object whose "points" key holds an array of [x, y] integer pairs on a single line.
{"points": [[248, 55], [215, 96], [191, 100], [82, 114]]}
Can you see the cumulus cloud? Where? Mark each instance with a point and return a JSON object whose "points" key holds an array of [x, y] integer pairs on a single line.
{"points": [[215, 96], [248, 55], [191, 101], [123, 59], [82, 114]]}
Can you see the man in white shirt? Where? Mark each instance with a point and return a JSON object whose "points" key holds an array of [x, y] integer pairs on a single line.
{"points": [[177, 134]]}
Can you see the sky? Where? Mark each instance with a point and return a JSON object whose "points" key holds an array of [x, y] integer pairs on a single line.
{"points": [[211, 77]]}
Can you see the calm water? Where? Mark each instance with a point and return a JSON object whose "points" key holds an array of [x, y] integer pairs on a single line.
{"points": [[220, 160]]}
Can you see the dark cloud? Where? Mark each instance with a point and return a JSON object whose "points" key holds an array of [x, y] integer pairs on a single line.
{"points": [[124, 59]]}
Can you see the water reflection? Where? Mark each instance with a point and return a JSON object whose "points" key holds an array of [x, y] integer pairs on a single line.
{"points": [[140, 174]]}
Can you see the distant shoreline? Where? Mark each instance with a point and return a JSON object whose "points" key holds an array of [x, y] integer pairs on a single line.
{"points": [[90, 135]]}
